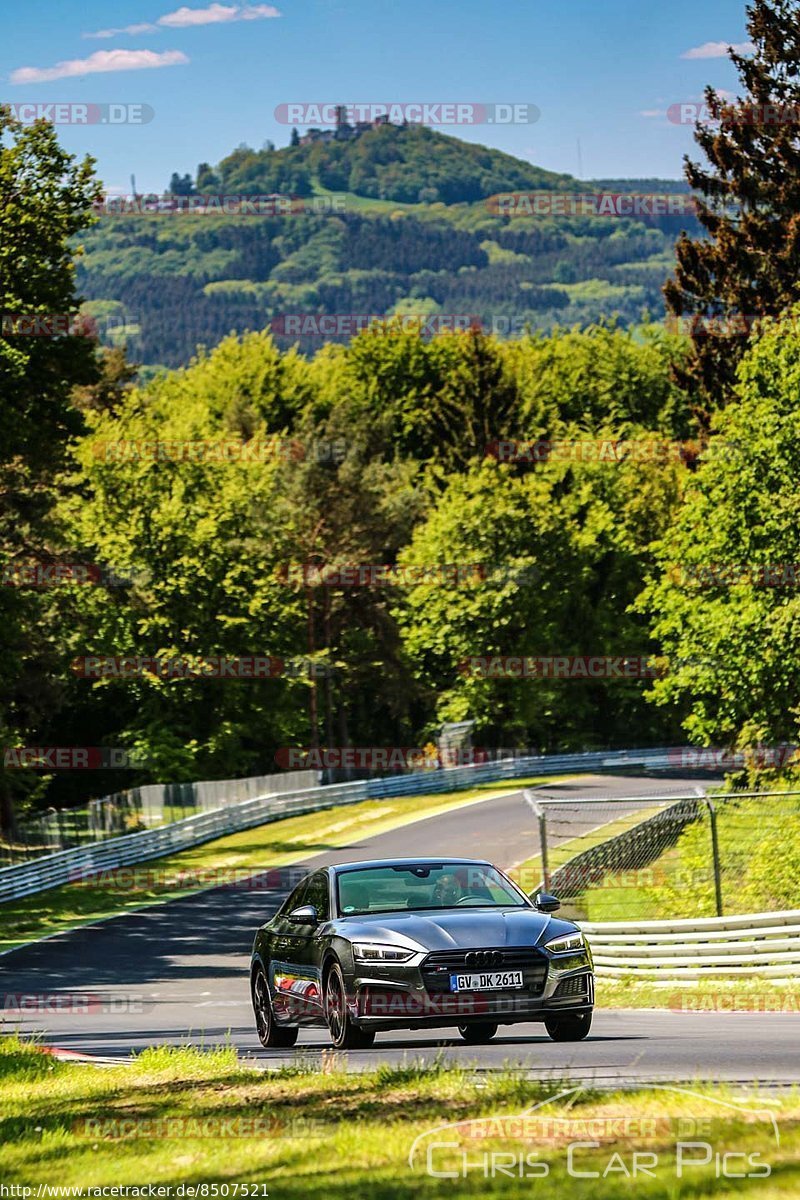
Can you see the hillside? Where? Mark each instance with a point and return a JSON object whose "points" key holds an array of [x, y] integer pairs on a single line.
{"points": [[393, 221], [408, 164]]}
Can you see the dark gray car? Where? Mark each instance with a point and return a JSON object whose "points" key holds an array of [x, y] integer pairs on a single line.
{"points": [[418, 944]]}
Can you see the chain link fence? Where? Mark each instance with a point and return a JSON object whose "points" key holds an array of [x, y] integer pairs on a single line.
{"points": [[147, 807], [651, 857]]}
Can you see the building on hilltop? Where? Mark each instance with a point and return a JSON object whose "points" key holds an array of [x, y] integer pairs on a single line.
{"points": [[344, 132]]}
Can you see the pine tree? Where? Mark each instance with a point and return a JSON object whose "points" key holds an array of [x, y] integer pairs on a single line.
{"points": [[749, 204]]}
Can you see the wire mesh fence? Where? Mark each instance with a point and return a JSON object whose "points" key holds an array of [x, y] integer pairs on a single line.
{"points": [[651, 857], [146, 807]]}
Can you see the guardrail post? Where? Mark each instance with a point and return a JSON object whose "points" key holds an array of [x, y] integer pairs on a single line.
{"points": [[712, 814]]}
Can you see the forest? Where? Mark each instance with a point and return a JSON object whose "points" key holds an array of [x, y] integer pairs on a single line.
{"points": [[300, 510], [399, 221]]}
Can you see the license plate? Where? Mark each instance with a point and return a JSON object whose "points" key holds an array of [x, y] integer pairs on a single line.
{"points": [[487, 981]]}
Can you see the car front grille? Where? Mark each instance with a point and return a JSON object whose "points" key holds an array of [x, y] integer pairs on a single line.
{"points": [[441, 964]]}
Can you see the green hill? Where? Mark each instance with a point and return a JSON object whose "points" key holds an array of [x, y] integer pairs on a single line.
{"points": [[394, 220], [409, 164]]}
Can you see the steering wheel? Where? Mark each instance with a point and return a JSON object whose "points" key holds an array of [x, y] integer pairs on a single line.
{"points": [[470, 896]]}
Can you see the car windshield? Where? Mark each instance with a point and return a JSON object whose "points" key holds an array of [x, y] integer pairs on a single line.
{"points": [[418, 886]]}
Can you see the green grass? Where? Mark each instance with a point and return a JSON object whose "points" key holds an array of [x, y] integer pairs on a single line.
{"points": [[276, 844], [706, 995], [528, 873], [353, 202], [759, 850], [191, 1118]]}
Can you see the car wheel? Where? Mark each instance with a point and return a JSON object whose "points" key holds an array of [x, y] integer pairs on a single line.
{"points": [[478, 1031], [270, 1034], [569, 1029], [344, 1034]]}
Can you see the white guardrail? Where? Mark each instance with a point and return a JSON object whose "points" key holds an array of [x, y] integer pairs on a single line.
{"points": [[757, 944], [64, 866], [67, 866], [760, 944]]}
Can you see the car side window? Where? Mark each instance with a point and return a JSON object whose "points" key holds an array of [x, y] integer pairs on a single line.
{"points": [[295, 898], [318, 895]]}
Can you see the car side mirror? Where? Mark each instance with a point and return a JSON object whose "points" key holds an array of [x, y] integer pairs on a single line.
{"points": [[546, 903], [306, 914]]}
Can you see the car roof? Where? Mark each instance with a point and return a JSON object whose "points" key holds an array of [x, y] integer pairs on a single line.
{"points": [[421, 860]]}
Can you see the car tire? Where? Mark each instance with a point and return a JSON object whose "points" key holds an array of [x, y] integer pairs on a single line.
{"points": [[478, 1032], [271, 1035], [572, 1028], [344, 1034]]}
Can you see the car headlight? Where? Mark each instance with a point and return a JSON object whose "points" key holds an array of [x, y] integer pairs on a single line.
{"points": [[379, 952], [566, 943]]}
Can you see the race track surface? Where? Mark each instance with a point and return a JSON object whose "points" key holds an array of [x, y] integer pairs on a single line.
{"points": [[178, 973]]}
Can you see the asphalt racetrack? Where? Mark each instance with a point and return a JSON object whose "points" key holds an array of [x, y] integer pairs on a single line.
{"points": [[178, 973]]}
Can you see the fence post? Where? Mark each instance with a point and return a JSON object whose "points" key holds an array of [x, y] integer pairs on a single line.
{"points": [[712, 813], [543, 845], [541, 815]]}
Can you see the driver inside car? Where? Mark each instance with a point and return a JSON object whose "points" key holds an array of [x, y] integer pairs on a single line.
{"points": [[447, 891]]}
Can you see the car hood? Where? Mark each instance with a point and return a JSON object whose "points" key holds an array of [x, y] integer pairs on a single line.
{"points": [[454, 929]]}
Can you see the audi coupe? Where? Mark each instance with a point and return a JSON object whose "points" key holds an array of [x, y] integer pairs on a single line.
{"points": [[418, 944]]}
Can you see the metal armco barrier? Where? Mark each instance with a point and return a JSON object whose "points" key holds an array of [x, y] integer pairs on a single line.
{"points": [[593, 761], [63, 866], [758, 944], [66, 866]]}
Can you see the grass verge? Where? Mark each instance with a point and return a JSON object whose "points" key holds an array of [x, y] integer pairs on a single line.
{"points": [[705, 995], [276, 844], [528, 874], [182, 1117]]}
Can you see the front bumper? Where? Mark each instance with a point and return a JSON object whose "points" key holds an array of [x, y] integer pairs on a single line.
{"points": [[397, 997]]}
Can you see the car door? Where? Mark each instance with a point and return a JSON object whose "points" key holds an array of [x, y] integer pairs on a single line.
{"points": [[313, 944], [287, 977]]}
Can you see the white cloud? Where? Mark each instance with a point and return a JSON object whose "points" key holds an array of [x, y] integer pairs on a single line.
{"points": [[189, 18], [216, 14], [652, 112], [718, 49], [258, 12], [132, 29], [100, 62]]}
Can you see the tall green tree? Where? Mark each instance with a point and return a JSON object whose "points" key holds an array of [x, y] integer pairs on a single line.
{"points": [[725, 603], [46, 198], [563, 548], [748, 265]]}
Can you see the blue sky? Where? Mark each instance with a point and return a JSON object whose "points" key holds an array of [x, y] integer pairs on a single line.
{"points": [[600, 71]]}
